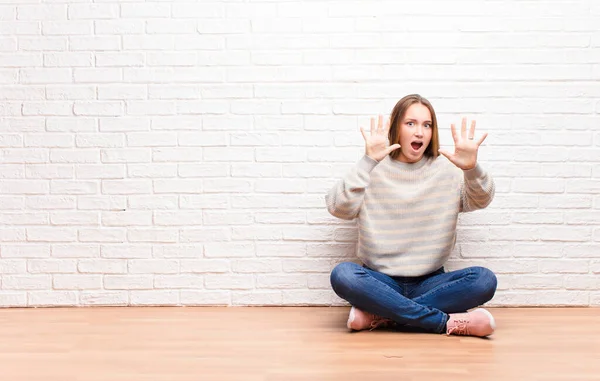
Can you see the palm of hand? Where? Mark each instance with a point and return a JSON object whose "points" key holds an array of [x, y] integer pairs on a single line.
{"points": [[465, 147], [377, 145]]}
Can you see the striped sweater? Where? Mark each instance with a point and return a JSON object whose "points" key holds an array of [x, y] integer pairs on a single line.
{"points": [[407, 213]]}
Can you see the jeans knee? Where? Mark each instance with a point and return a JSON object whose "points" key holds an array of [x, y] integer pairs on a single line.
{"points": [[341, 277], [486, 283]]}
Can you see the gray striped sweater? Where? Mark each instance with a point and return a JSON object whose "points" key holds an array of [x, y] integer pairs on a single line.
{"points": [[407, 213]]}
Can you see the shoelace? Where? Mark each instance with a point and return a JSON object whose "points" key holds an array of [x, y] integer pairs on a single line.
{"points": [[461, 327]]}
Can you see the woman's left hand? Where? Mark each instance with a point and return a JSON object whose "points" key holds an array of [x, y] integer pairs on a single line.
{"points": [[465, 146]]}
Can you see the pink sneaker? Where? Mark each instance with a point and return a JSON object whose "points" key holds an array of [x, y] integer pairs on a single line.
{"points": [[359, 320], [479, 322]]}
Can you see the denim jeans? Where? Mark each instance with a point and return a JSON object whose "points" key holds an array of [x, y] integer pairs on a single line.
{"points": [[423, 302]]}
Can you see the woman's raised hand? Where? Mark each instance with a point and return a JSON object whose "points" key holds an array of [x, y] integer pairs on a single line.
{"points": [[377, 144]]}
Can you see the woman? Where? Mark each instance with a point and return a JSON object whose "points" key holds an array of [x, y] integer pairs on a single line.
{"points": [[407, 199]]}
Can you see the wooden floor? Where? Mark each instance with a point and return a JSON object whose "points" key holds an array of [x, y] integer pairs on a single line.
{"points": [[174, 344]]}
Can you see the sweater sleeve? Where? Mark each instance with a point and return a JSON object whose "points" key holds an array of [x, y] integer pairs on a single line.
{"points": [[477, 190], [345, 198]]}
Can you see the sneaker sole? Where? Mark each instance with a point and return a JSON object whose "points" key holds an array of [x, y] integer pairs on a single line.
{"points": [[489, 315]]}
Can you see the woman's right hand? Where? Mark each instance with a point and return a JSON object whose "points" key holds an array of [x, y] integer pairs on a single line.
{"points": [[377, 144]]}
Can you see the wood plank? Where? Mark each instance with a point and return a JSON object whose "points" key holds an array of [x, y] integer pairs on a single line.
{"points": [[287, 343]]}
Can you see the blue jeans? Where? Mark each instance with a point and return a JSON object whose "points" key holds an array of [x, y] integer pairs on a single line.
{"points": [[423, 302]]}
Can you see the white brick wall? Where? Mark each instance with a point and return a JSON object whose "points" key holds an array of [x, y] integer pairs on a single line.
{"points": [[177, 152]]}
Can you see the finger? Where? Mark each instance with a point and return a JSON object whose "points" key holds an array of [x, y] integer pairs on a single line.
{"points": [[380, 124], [463, 128], [372, 126], [364, 134], [454, 135], [447, 154], [472, 130], [386, 128], [391, 148], [481, 139]]}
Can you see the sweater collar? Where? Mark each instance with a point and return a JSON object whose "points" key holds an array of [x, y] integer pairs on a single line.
{"points": [[408, 167]]}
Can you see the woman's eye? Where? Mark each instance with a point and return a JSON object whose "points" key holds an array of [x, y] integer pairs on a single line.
{"points": [[410, 124], [428, 125]]}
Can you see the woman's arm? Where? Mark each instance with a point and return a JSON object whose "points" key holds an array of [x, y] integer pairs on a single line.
{"points": [[345, 198]]}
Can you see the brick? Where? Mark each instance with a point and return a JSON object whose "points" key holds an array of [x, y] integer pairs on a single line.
{"points": [[177, 186], [126, 155], [564, 266], [101, 202], [13, 266], [20, 218], [104, 298], [98, 108], [285, 281], [153, 266], [26, 282], [51, 234], [205, 298], [23, 251], [52, 298], [176, 154], [126, 251], [121, 92], [67, 28], [257, 298], [44, 266], [49, 171], [281, 249], [205, 234], [186, 281], [76, 282], [75, 250], [114, 235], [258, 233], [152, 202], [128, 282], [23, 155], [280, 218], [71, 125], [152, 170], [203, 201], [229, 281], [68, 60], [100, 43], [203, 139], [179, 218], [13, 202], [152, 235], [77, 187], [154, 298], [229, 250], [145, 10], [280, 186], [565, 234], [309, 297], [119, 26], [205, 266], [76, 218], [218, 217], [126, 187], [177, 251], [13, 299], [44, 76]]}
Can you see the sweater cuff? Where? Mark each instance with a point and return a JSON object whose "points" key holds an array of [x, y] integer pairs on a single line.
{"points": [[474, 173], [367, 164]]}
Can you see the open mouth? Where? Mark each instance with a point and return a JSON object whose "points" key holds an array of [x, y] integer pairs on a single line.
{"points": [[416, 145]]}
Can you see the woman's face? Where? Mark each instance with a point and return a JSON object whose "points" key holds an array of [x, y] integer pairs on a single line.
{"points": [[416, 128]]}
